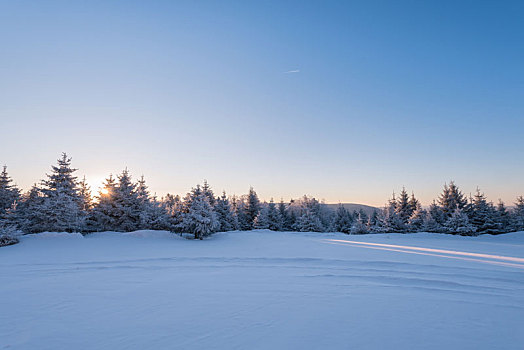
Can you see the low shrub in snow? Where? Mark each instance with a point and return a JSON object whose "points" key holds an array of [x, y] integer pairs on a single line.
{"points": [[8, 236]]}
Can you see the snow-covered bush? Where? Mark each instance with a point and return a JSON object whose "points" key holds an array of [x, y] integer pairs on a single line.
{"points": [[9, 235]]}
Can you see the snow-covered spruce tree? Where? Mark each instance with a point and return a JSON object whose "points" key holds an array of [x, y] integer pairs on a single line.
{"points": [[61, 209], [261, 221], [374, 222], [208, 192], [86, 199], [403, 207], [458, 223], [9, 193], [451, 199], [518, 215], [359, 226], [413, 203], [435, 219], [252, 208], [8, 235], [343, 220], [153, 216], [283, 212], [127, 204], [483, 215], [225, 214], [391, 219], [310, 216], [275, 222], [174, 208], [103, 216], [308, 222], [28, 213], [200, 219], [417, 220], [503, 217], [243, 219]]}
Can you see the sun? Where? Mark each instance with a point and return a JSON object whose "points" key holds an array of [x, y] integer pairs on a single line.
{"points": [[104, 191]]}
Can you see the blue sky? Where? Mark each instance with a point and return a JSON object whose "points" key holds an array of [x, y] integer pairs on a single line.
{"points": [[387, 94]]}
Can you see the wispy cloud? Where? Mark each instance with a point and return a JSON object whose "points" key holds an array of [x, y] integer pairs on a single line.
{"points": [[292, 71]]}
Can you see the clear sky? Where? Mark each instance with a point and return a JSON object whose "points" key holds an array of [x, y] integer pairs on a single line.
{"points": [[346, 101]]}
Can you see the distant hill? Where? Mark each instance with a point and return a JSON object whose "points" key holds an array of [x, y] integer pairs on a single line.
{"points": [[354, 206]]}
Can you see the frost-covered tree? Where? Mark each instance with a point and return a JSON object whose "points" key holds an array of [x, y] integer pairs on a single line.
{"points": [[104, 215], [62, 202], [392, 221], [374, 222], [226, 216], [200, 220], [208, 192], [435, 219], [458, 223], [153, 215], [29, 213], [359, 226], [284, 214], [243, 219], [451, 199], [403, 207], [252, 208], [261, 221], [275, 222], [86, 200], [343, 220], [483, 215], [9, 193], [174, 207], [128, 204], [417, 220], [503, 217], [518, 214], [309, 222]]}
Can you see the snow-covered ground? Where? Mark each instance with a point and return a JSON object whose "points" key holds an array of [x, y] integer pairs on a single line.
{"points": [[262, 290]]}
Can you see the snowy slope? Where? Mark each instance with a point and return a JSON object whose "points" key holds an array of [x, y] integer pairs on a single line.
{"points": [[262, 290]]}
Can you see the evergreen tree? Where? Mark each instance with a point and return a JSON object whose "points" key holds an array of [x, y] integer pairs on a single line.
{"points": [[62, 202], [483, 215], [283, 211], [174, 207], [29, 212], [392, 221], [308, 222], [374, 222], [252, 208], [518, 214], [359, 226], [275, 222], [262, 220], [9, 193], [343, 220], [458, 223], [200, 220], [436, 219], [104, 214], [414, 204], [403, 207], [451, 199], [208, 192], [503, 217], [417, 220], [226, 216], [127, 204]]}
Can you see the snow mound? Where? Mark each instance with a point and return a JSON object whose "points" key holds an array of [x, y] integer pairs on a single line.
{"points": [[46, 235]]}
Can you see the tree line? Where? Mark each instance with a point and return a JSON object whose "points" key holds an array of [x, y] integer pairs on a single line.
{"points": [[63, 203]]}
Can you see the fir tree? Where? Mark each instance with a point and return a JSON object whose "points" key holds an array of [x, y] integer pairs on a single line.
{"points": [[275, 222], [200, 220], [483, 215], [104, 215], [252, 208], [62, 204], [458, 223], [9, 193], [518, 214], [403, 207], [359, 226], [503, 217], [343, 220], [451, 199], [417, 220], [283, 211], [226, 216], [436, 219]]}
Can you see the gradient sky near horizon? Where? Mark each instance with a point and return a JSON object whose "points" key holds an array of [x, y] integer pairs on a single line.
{"points": [[343, 100]]}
